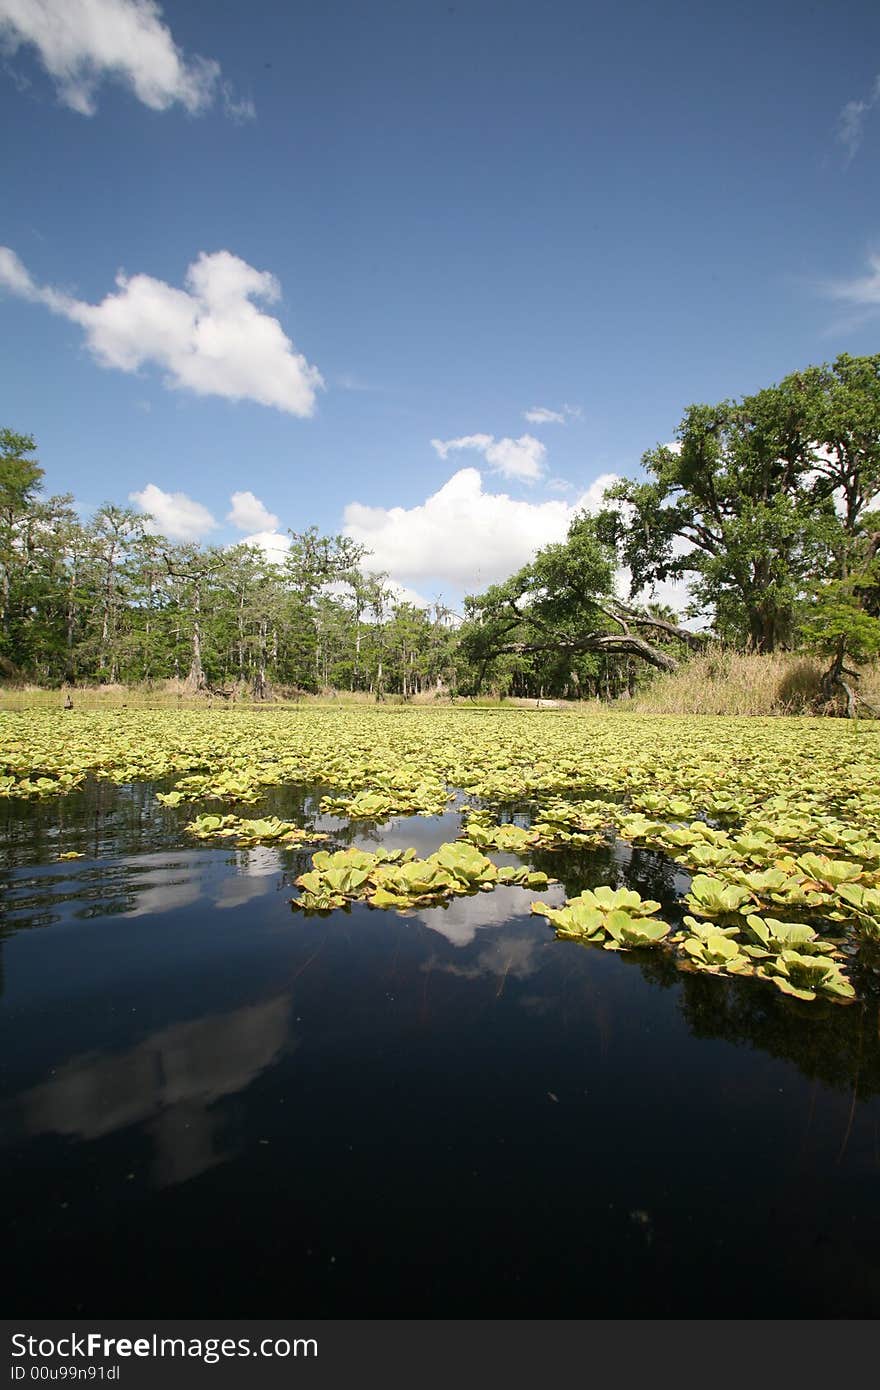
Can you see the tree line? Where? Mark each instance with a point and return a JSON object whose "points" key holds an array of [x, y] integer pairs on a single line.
{"points": [[765, 506], [109, 600]]}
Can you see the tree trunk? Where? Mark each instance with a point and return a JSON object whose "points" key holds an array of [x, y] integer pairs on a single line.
{"points": [[260, 676], [833, 681], [196, 678]]}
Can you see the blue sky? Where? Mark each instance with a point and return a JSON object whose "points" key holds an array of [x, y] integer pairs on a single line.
{"points": [[436, 218]]}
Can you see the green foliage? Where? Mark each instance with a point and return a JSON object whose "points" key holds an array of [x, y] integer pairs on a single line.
{"points": [[744, 505], [108, 601], [835, 622], [557, 623], [20, 476], [561, 590]]}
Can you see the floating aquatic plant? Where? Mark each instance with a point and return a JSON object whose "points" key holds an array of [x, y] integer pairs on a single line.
{"points": [[617, 918], [806, 977], [783, 827], [259, 831], [400, 880], [712, 949], [711, 897]]}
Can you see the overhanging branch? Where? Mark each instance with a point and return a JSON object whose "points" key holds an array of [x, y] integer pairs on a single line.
{"points": [[693, 640], [616, 643]]}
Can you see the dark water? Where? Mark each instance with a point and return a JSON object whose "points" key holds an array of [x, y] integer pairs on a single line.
{"points": [[212, 1105]]}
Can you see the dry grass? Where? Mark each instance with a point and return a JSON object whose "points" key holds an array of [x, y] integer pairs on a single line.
{"points": [[169, 694], [174, 694], [730, 683], [721, 682]]}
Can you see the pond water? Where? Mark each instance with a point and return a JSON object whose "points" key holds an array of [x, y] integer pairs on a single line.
{"points": [[213, 1105]]}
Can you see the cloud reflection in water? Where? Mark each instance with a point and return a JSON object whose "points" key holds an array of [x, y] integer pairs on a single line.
{"points": [[168, 1083]]}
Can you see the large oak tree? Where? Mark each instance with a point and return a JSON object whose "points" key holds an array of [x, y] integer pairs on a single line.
{"points": [[758, 499]]}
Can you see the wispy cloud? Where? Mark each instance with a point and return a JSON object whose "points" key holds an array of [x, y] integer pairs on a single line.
{"points": [[863, 292], [851, 121], [542, 415], [238, 109], [82, 43], [523, 458], [350, 381], [210, 338]]}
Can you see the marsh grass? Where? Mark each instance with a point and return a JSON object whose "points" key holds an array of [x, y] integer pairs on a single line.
{"points": [[718, 683], [736, 683], [172, 694], [169, 694]]}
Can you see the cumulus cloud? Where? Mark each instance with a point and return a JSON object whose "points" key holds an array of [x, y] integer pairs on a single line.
{"points": [[210, 338], [521, 458], [82, 43], [402, 593], [463, 535], [851, 121], [176, 515], [249, 514], [395, 593], [274, 544]]}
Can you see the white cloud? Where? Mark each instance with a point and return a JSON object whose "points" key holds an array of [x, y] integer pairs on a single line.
{"points": [[350, 381], [210, 338], [395, 592], [542, 415], [80, 43], [402, 593], [675, 593], [462, 535], [465, 441], [15, 276], [460, 921], [249, 514], [274, 544], [177, 516], [521, 458], [239, 110], [863, 291], [851, 121], [593, 499]]}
